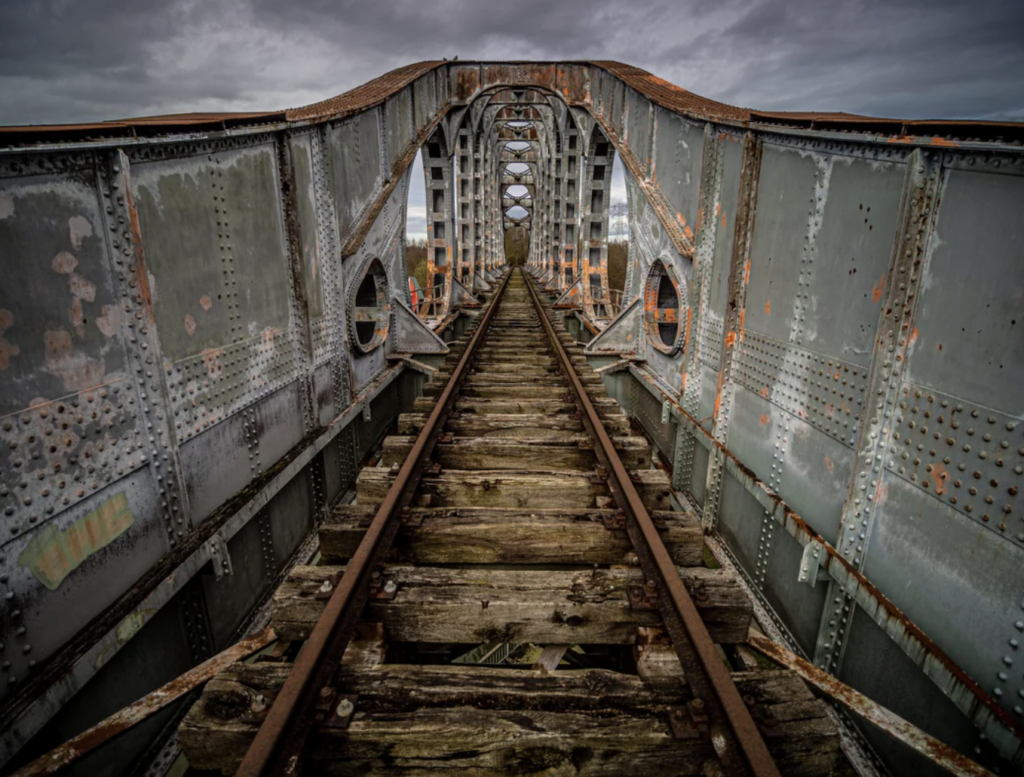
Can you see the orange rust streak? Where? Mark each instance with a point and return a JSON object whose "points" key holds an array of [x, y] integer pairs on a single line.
{"points": [[746, 272], [768, 308], [878, 289], [913, 335]]}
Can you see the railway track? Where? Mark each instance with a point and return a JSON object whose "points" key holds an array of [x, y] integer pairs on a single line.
{"points": [[514, 515]]}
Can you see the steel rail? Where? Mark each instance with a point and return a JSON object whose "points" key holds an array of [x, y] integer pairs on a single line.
{"points": [[734, 734], [275, 750]]}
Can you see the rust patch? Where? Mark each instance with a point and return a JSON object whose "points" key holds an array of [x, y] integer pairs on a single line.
{"points": [[58, 343], [765, 392], [913, 337], [746, 272], [768, 307], [878, 289], [77, 317], [730, 340], [7, 350], [82, 288], [53, 554], [64, 263], [765, 418], [211, 360], [190, 324], [205, 302], [830, 465]]}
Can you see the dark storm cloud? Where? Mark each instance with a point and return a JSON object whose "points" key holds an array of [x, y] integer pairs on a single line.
{"points": [[62, 60]]}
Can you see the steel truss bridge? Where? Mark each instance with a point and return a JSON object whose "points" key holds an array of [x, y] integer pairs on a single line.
{"points": [[221, 408]]}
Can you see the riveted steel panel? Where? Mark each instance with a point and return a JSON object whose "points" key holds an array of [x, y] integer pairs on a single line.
{"points": [[798, 604], [214, 241], [305, 198], [355, 159], [59, 331], [398, 121], [230, 598], [741, 522], [677, 163], [969, 336], [878, 668], [291, 517], [638, 130], [425, 102], [698, 479], [226, 457], [953, 578], [76, 563], [776, 295], [129, 675]]}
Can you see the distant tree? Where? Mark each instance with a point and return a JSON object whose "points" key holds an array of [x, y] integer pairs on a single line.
{"points": [[416, 261], [618, 256], [517, 245]]}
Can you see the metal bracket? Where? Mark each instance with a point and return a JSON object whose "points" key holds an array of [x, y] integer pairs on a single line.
{"points": [[614, 522], [690, 721], [809, 564], [643, 597], [220, 557], [340, 711], [410, 519], [381, 589], [326, 588], [259, 707]]}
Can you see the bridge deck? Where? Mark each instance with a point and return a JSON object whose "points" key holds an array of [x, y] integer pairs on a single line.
{"points": [[513, 550]]}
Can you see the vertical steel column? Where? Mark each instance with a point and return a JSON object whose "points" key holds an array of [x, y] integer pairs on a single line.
{"points": [[703, 261], [596, 191], [888, 361], [739, 267]]}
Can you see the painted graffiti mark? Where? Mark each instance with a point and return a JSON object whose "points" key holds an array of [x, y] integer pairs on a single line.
{"points": [[7, 350], [53, 554]]}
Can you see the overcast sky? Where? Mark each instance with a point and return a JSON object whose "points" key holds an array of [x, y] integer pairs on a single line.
{"points": [[81, 60]]}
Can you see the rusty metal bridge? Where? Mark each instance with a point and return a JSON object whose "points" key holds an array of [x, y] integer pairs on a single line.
{"points": [[756, 506]]}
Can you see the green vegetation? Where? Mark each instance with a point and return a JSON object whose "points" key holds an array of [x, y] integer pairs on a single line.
{"points": [[416, 261]]}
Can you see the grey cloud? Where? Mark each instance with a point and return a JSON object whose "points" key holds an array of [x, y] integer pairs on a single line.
{"points": [[77, 61]]}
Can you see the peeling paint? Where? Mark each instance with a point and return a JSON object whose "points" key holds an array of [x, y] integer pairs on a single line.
{"points": [[190, 324], [79, 229], [73, 367], [53, 554], [6, 206], [205, 302], [107, 323], [64, 263]]}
